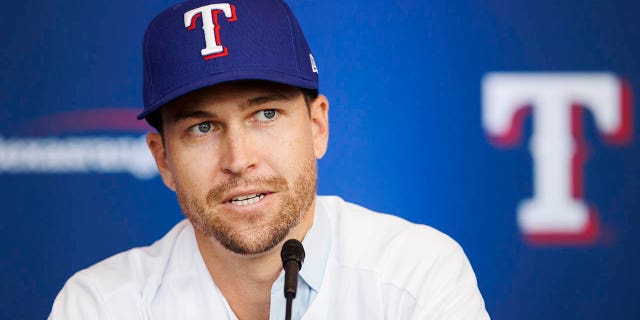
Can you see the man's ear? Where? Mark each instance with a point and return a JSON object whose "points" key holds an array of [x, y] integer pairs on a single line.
{"points": [[156, 145], [319, 112]]}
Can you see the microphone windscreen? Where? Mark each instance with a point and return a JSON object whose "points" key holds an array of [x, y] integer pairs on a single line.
{"points": [[292, 250]]}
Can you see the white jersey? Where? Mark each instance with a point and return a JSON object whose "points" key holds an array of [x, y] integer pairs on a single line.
{"points": [[360, 265]]}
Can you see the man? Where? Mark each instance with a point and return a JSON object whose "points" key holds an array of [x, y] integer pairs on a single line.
{"points": [[232, 89]]}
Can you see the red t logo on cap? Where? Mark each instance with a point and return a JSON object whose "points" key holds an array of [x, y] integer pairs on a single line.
{"points": [[213, 47]]}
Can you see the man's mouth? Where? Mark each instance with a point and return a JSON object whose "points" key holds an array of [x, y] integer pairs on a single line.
{"points": [[247, 199]]}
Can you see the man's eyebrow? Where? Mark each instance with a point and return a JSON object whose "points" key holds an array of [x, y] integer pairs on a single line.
{"points": [[193, 114], [253, 102]]}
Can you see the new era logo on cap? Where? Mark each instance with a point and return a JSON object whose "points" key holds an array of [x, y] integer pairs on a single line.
{"points": [[238, 40], [314, 68], [211, 27]]}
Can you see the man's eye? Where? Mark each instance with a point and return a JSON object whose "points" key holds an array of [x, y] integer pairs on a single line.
{"points": [[266, 115], [201, 128]]}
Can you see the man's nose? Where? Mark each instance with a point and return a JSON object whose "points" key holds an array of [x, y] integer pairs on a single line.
{"points": [[239, 153]]}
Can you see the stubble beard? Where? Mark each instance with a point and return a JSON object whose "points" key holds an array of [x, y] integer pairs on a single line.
{"points": [[252, 234]]}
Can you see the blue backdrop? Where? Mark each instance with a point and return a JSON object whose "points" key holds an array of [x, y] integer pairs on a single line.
{"points": [[404, 81]]}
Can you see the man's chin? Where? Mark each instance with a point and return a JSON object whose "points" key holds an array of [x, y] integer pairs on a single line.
{"points": [[253, 247], [250, 234]]}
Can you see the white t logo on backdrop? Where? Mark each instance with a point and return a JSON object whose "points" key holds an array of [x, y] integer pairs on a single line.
{"points": [[213, 47], [556, 213]]}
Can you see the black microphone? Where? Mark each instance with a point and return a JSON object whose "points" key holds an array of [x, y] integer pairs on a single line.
{"points": [[292, 255]]}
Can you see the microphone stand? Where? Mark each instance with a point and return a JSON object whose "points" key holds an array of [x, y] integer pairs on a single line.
{"points": [[287, 315]]}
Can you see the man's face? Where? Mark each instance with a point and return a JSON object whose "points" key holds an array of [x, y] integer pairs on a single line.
{"points": [[242, 160]]}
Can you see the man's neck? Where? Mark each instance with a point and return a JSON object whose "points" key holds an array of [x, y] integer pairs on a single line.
{"points": [[246, 280]]}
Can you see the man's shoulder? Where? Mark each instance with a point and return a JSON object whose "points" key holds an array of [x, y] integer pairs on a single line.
{"points": [[119, 287], [134, 268], [397, 251], [403, 267], [375, 231], [403, 263]]}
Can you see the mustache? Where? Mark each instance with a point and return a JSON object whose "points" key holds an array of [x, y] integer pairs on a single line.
{"points": [[218, 193]]}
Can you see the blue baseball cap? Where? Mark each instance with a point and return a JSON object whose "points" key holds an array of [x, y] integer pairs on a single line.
{"points": [[198, 43]]}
